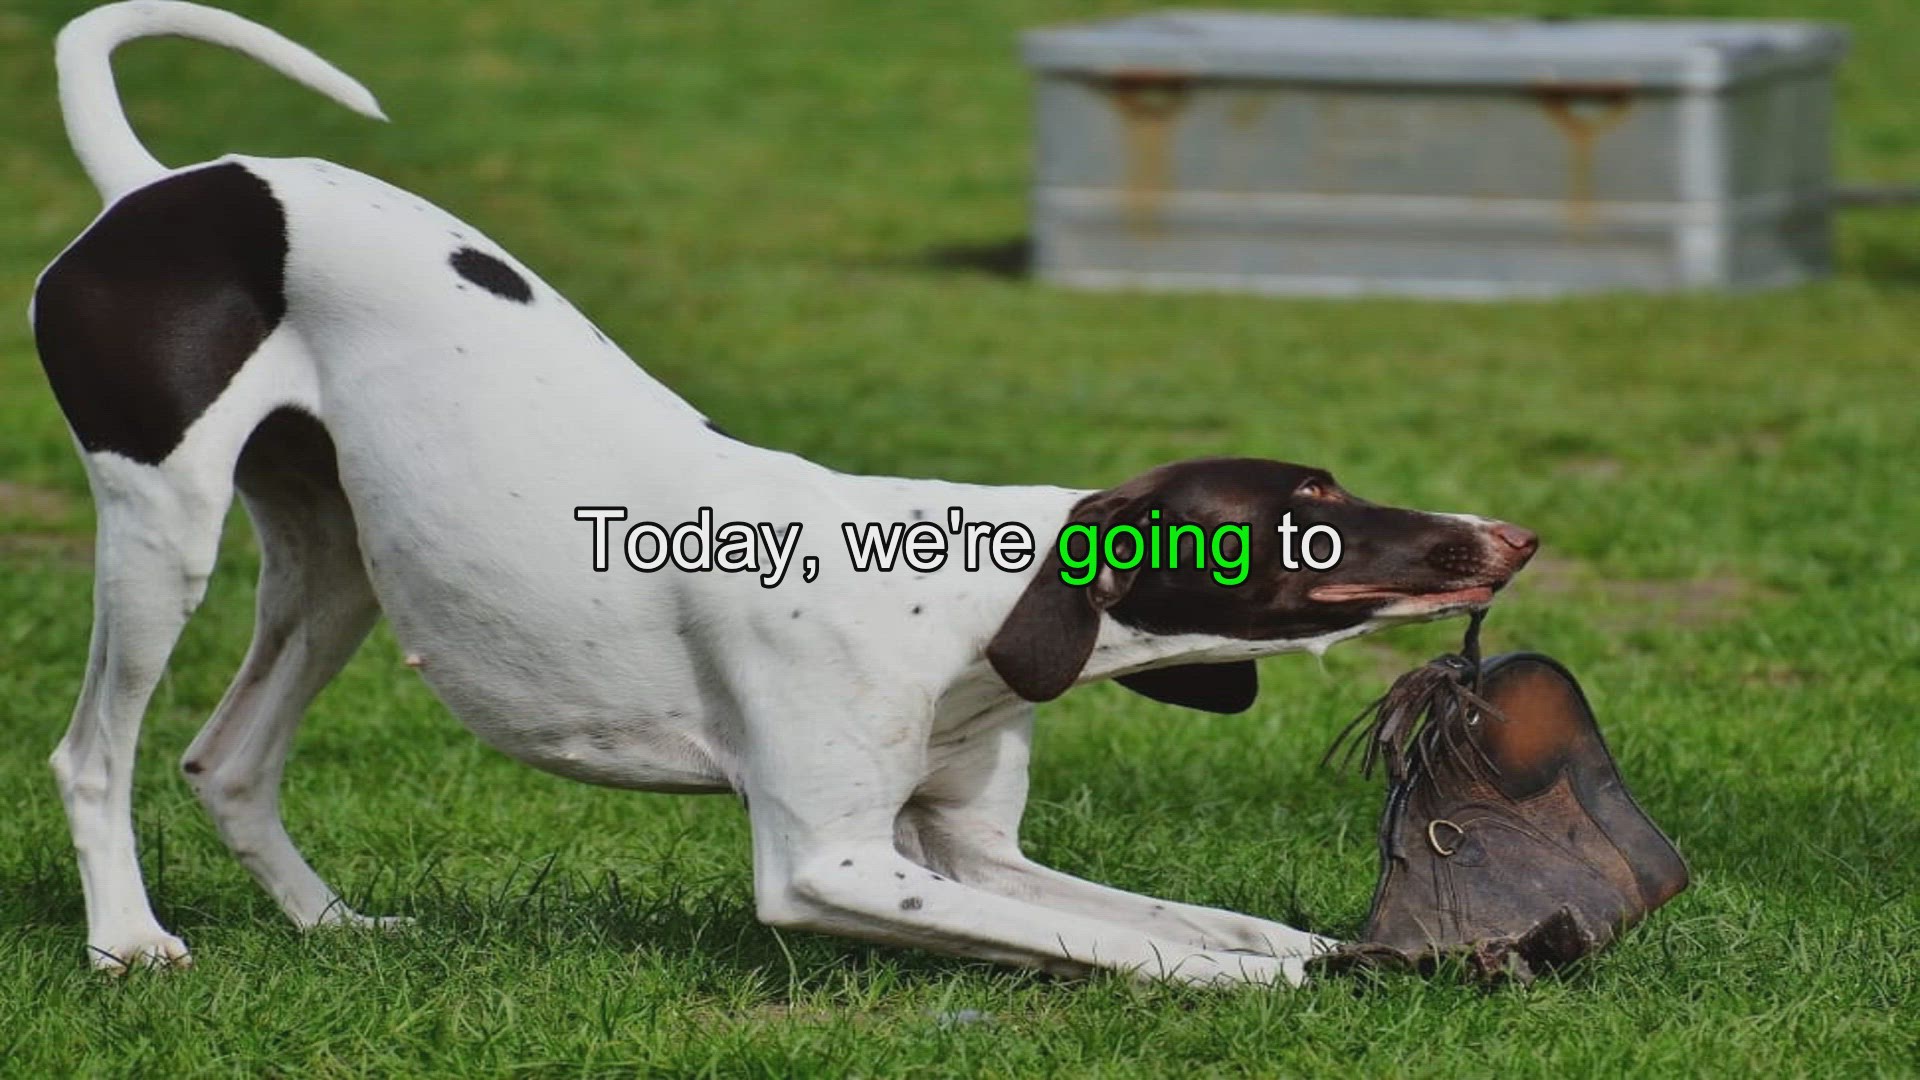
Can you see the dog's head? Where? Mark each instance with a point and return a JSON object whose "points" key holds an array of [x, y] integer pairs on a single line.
{"points": [[1225, 576]]}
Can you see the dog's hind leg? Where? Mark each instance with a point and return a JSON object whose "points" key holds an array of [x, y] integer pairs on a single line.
{"points": [[161, 332], [314, 607], [157, 537]]}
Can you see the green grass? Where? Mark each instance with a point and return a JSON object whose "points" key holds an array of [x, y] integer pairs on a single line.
{"points": [[745, 194]]}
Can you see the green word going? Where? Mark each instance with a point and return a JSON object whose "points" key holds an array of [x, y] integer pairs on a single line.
{"points": [[1084, 549]]}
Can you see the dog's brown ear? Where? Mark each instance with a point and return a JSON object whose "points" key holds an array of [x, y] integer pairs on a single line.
{"points": [[1217, 688], [1046, 639]]}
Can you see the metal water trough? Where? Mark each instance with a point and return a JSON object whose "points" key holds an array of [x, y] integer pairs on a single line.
{"points": [[1473, 159]]}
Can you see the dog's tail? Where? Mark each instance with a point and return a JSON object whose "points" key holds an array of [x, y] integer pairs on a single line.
{"points": [[97, 125]]}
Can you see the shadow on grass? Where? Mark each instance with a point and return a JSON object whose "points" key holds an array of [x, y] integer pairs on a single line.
{"points": [[1884, 264], [1878, 249], [1880, 260], [1798, 845], [535, 912], [1009, 260]]}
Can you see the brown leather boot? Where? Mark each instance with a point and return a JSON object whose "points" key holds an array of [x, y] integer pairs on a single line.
{"points": [[1509, 837]]}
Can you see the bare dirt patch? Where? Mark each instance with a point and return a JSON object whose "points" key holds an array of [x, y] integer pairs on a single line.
{"points": [[36, 519], [1591, 467], [64, 549], [1777, 676], [1644, 603], [34, 503]]}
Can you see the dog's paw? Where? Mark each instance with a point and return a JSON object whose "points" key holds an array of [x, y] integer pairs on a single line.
{"points": [[153, 949], [1293, 972], [1285, 943], [1315, 945], [349, 919], [386, 924], [1227, 969]]}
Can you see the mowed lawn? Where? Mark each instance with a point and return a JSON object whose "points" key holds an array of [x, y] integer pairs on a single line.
{"points": [[774, 206]]}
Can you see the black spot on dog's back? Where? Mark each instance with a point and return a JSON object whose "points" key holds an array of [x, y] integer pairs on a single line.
{"points": [[492, 275], [143, 322]]}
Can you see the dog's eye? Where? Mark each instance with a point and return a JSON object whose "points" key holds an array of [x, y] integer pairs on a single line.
{"points": [[1314, 489]]}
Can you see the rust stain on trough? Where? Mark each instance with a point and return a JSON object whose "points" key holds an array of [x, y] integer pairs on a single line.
{"points": [[1148, 103], [1583, 112], [1248, 107]]}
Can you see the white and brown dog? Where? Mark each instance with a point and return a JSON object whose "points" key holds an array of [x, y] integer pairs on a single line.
{"points": [[412, 419]]}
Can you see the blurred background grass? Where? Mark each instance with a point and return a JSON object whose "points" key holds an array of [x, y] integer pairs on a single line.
{"points": [[761, 201]]}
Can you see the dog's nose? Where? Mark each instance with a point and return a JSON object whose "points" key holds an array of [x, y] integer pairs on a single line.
{"points": [[1519, 544]]}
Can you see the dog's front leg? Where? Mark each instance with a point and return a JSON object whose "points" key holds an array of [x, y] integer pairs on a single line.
{"points": [[966, 822], [823, 800]]}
